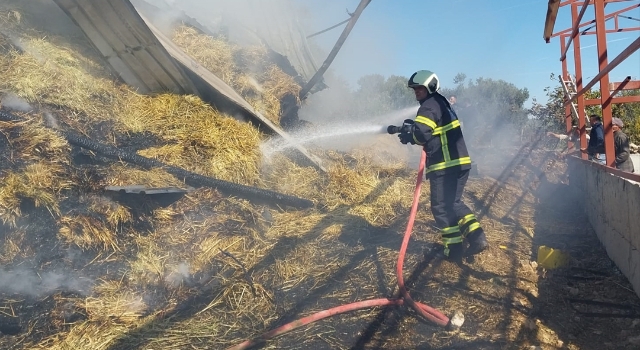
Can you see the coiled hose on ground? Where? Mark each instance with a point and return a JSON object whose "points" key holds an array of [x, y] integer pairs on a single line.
{"points": [[423, 310], [190, 178]]}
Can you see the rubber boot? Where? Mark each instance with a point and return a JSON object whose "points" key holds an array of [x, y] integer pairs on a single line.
{"points": [[477, 242], [454, 253]]}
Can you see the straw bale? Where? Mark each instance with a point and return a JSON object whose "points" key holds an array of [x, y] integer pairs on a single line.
{"points": [[249, 88], [392, 202], [114, 303], [197, 234], [95, 223], [114, 213], [254, 59], [250, 263], [86, 335], [275, 85], [35, 140], [9, 15], [279, 84], [197, 136], [148, 266], [305, 262], [285, 176], [296, 224]]}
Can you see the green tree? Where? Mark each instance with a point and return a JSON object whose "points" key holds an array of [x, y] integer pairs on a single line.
{"points": [[490, 109], [379, 95], [400, 95]]}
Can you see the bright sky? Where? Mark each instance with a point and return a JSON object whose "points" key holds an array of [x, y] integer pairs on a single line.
{"points": [[499, 39]]}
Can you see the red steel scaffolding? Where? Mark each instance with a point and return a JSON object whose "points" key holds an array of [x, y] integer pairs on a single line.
{"points": [[608, 90]]}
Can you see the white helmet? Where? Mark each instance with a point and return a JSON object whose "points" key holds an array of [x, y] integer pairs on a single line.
{"points": [[425, 78]]}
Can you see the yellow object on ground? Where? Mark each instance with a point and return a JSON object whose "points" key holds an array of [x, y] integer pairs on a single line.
{"points": [[550, 258]]}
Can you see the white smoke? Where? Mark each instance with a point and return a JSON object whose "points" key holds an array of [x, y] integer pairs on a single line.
{"points": [[27, 282], [178, 276], [16, 103], [50, 120]]}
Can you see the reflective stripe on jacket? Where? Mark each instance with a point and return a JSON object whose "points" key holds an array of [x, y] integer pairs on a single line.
{"points": [[437, 129]]}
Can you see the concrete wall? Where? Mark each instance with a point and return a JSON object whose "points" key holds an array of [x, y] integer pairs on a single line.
{"points": [[613, 206], [636, 162]]}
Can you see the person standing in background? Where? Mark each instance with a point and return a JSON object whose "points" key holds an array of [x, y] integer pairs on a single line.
{"points": [[621, 142]]}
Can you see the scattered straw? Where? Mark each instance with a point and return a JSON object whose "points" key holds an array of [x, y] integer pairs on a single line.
{"points": [[87, 232], [198, 137]]}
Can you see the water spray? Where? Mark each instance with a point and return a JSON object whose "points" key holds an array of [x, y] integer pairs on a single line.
{"points": [[308, 136], [339, 130]]}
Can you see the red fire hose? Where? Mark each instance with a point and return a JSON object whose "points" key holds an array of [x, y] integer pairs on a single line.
{"points": [[424, 310]]}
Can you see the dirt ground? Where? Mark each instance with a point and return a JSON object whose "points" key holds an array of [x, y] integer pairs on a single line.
{"points": [[508, 303]]}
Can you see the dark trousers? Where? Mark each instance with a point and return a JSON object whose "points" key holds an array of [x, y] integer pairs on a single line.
{"points": [[455, 220]]}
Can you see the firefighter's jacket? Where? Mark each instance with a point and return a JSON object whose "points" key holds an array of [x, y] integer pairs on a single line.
{"points": [[437, 129]]}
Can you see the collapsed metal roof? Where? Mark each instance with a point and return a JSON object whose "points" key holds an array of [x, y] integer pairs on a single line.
{"points": [[148, 60], [276, 24]]}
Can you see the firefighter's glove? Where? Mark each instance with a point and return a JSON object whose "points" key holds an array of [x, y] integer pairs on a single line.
{"points": [[406, 132], [406, 138]]}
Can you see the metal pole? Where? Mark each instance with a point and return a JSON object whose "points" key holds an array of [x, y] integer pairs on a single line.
{"points": [[568, 110], [328, 29], [577, 60], [603, 62], [576, 26], [633, 47], [343, 37]]}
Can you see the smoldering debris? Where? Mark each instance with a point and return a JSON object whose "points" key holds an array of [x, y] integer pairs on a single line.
{"points": [[180, 275], [33, 283]]}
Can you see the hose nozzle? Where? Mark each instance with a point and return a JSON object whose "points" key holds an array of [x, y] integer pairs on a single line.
{"points": [[392, 129]]}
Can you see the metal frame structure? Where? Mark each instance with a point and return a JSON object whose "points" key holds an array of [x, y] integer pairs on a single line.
{"points": [[608, 90]]}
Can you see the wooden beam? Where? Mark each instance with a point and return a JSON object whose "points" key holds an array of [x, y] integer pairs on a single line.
{"points": [[550, 21], [614, 100], [626, 84]]}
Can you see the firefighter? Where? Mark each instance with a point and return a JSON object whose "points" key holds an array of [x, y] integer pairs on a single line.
{"points": [[437, 129]]}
